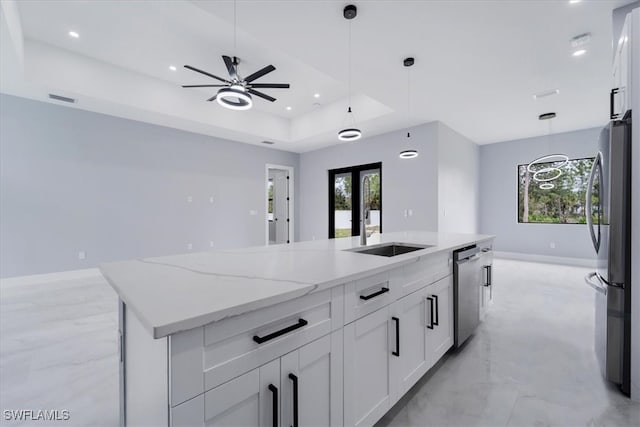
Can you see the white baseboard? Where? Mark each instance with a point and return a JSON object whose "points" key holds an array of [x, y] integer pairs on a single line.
{"points": [[579, 262], [49, 277]]}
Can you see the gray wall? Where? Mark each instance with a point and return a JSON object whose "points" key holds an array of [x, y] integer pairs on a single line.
{"points": [[75, 181], [499, 196], [458, 182], [406, 184]]}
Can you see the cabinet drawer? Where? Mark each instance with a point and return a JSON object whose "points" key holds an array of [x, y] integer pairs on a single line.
{"points": [[425, 271], [204, 358], [367, 295]]}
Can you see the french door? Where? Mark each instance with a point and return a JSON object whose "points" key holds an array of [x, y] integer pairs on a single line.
{"points": [[346, 200]]}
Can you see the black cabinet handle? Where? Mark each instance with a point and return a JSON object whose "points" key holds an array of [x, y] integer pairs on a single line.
{"points": [[274, 390], [294, 380], [611, 102], [431, 315], [435, 298], [375, 294], [488, 282], [300, 324], [397, 352]]}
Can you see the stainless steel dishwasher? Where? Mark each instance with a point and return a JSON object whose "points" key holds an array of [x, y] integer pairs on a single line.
{"points": [[466, 292]]}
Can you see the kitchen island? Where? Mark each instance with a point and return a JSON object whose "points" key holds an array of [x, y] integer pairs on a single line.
{"points": [[306, 333]]}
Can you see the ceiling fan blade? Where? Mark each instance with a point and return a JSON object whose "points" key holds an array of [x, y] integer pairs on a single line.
{"points": [[189, 67], [213, 98], [259, 73], [231, 68], [205, 85], [261, 95], [271, 85]]}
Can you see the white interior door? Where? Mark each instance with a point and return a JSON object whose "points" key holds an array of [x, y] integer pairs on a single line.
{"points": [[281, 206]]}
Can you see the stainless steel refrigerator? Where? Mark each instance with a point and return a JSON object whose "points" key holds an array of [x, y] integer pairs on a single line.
{"points": [[608, 212]]}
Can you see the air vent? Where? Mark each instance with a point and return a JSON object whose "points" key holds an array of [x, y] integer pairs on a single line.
{"points": [[61, 98], [546, 116], [268, 142], [546, 94]]}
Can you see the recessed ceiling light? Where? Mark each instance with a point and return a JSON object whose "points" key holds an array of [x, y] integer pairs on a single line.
{"points": [[74, 34], [172, 67], [574, 1], [288, 108], [579, 52], [316, 95]]}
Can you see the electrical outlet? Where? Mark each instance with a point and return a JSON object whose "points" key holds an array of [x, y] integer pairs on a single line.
{"points": [[211, 199], [189, 246], [189, 199], [410, 212], [210, 243], [252, 212], [82, 255], [552, 245]]}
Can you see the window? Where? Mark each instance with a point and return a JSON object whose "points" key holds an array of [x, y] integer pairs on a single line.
{"points": [[562, 204], [345, 200]]}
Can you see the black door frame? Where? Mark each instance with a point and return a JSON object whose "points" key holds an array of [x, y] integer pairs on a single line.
{"points": [[355, 191]]}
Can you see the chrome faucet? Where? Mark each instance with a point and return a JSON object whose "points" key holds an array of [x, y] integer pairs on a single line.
{"points": [[366, 208]]}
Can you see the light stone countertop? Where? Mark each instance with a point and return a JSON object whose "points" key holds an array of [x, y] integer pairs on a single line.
{"points": [[180, 292]]}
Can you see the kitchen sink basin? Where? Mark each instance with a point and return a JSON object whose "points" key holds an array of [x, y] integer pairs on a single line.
{"points": [[389, 249]]}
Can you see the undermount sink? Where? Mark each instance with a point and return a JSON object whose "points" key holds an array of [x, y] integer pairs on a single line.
{"points": [[389, 249]]}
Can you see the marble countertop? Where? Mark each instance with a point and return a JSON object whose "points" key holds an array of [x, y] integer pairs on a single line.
{"points": [[180, 292]]}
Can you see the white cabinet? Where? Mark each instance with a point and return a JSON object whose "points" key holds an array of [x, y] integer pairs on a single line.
{"points": [[415, 358], [311, 383], [368, 387], [302, 388], [621, 91], [440, 317]]}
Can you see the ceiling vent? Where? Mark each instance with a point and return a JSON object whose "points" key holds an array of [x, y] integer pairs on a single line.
{"points": [[61, 98], [580, 40], [268, 142], [546, 94]]}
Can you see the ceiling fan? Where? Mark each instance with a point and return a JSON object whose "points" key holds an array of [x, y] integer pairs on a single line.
{"points": [[236, 91]]}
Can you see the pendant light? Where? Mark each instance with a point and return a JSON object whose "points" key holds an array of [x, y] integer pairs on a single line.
{"points": [[350, 133], [408, 154], [547, 174]]}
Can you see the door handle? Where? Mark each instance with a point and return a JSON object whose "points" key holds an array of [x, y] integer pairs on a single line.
{"points": [[597, 166], [274, 391], [397, 352], [435, 299], [294, 380], [430, 325], [375, 294], [597, 286]]}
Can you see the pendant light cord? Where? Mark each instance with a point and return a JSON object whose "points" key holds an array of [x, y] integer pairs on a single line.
{"points": [[408, 97], [235, 28], [349, 71]]}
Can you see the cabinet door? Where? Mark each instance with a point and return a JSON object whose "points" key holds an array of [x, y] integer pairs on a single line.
{"points": [[440, 309], [248, 400], [414, 359], [311, 380], [368, 391]]}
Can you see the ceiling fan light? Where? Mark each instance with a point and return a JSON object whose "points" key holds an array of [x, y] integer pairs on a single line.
{"points": [[234, 98], [408, 154], [350, 134]]}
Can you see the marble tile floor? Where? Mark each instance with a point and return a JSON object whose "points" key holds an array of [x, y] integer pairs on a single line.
{"points": [[530, 363]]}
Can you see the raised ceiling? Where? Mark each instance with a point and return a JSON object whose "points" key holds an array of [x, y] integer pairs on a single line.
{"points": [[477, 64]]}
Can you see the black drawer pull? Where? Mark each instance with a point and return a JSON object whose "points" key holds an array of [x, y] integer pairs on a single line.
{"points": [[294, 380], [612, 95], [274, 390], [435, 298], [375, 294], [276, 334], [488, 281], [397, 352], [431, 315]]}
